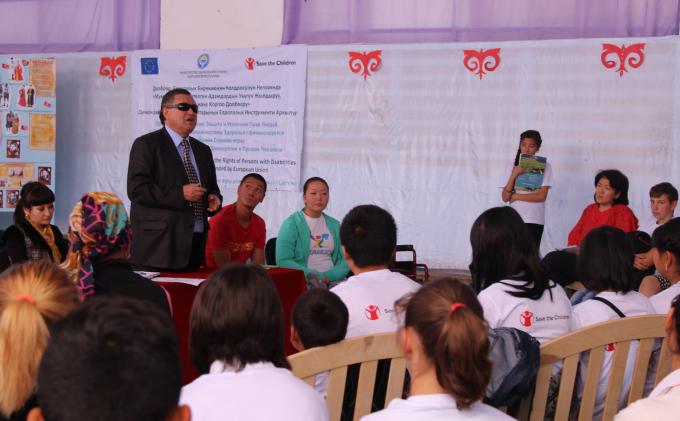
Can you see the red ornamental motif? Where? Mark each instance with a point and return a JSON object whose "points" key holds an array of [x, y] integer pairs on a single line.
{"points": [[635, 51], [372, 312], [481, 61], [250, 63], [526, 318], [364, 63], [112, 67]]}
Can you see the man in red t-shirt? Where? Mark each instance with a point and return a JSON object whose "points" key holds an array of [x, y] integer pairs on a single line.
{"points": [[236, 233]]}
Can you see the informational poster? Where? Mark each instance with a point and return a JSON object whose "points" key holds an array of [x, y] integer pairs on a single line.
{"points": [[251, 106], [28, 116]]}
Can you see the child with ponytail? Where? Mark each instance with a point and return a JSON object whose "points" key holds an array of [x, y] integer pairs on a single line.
{"points": [[445, 343]]}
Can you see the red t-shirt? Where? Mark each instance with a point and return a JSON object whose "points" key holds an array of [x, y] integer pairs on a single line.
{"points": [[619, 216], [226, 233]]}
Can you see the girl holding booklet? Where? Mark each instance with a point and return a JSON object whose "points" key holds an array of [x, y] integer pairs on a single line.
{"points": [[530, 204]]}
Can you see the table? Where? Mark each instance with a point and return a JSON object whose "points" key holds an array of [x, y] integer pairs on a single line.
{"points": [[182, 287]]}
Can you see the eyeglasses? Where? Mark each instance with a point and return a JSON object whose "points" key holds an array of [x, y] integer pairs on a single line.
{"points": [[184, 106]]}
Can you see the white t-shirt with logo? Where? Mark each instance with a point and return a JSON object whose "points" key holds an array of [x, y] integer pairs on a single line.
{"points": [[320, 244], [590, 312], [662, 300], [543, 318], [370, 298], [531, 212], [663, 404], [435, 407]]}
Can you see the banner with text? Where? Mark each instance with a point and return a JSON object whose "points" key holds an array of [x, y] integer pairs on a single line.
{"points": [[251, 106], [27, 112]]}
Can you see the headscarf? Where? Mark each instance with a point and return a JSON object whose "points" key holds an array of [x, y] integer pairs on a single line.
{"points": [[98, 226]]}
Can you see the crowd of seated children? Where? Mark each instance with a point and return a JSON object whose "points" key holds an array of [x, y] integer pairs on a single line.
{"points": [[236, 344], [309, 239], [319, 318], [33, 296], [666, 251], [100, 236], [663, 403], [369, 236], [33, 237], [663, 199], [113, 358], [444, 340], [237, 233], [605, 267], [513, 288], [610, 207]]}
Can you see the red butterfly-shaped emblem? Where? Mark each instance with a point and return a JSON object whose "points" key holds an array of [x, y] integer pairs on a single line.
{"points": [[112, 67], [480, 62], [633, 55], [364, 63]]}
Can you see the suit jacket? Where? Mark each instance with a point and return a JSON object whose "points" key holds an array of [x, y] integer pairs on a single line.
{"points": [[162, 221]]}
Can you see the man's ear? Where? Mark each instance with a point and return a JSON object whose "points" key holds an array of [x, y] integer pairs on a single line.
{"points": [[35, 414], [405, 335], [178, 413], [295, 339]]}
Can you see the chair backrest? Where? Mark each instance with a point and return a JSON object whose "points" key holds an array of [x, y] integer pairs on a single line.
{"points": [[593, 340], [364, 350], [270, 251]]}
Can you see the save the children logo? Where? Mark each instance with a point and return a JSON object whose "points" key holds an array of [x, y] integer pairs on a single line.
{"points": [[203, 61], [372, 312], [526, 318], [250, 63]]}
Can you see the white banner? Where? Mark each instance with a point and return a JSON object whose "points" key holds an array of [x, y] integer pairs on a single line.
{"points": [[251, 106]]}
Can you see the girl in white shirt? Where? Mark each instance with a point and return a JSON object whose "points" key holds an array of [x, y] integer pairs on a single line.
{"points": [[666, 255], [237, 345], [446, 347], [514, 290]]}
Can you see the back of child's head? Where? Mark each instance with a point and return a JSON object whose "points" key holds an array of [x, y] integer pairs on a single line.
{"points": [[320, 318], [502, 247], [369, 235], [114, 358], [33, 296], [237, 319], [449, 321], [667, 238], [666, 188], [605, 260]]}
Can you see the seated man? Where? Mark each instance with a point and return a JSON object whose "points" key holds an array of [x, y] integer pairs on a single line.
{"points": [[369, 236], [236, 233], [114, 358]]}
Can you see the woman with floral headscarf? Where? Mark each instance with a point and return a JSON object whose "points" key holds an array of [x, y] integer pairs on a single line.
{"points": [[100, 238]]}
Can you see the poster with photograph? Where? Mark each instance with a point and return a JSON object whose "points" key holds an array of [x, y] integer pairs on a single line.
{"points": [[27, 125]]}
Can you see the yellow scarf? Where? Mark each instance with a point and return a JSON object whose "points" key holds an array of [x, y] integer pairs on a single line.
{"points": [[47, 235]]}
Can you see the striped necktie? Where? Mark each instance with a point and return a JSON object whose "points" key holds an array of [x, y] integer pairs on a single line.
{"points": [[197, 207]]}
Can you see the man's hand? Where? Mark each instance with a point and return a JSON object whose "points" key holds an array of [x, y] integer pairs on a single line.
{"points": [[193, 192], [214, 202]]}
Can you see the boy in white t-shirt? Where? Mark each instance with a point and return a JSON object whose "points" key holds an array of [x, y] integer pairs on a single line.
{"points": [[368, 235]]}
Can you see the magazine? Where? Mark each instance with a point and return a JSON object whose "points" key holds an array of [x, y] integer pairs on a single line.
{"points": [[532, 179]]}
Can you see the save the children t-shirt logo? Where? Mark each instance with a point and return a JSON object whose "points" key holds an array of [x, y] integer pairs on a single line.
{"points": [[526, 318], [372, 312]]}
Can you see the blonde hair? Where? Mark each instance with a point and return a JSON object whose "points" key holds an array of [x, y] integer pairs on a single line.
{"points": [[33, 295]]}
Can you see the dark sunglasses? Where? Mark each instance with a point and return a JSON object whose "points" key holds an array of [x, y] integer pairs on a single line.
{"points": [[184, 106]]}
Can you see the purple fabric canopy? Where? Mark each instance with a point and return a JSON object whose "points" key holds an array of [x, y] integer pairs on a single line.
{"points": [[406, 21], [52, 26]]}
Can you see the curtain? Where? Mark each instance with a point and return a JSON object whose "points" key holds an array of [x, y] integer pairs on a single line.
{"points": [[50, 26], [407, 21]]}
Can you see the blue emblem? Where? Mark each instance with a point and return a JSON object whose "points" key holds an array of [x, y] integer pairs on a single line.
{"points": [[149, 65], [203, 61]]}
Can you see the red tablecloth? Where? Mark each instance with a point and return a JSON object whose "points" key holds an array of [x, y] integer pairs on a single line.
{"points": [[290, 283]]}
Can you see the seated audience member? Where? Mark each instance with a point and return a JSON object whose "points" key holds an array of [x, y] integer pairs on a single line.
{"points": [[663, 198], [663, 404], [610, 208], [32, 237], [33, 296], [236, 344], [114, 359], [369, 236], [319, 318], [100, 246], [666, 249], [605, 266], [309, 240], [237, 233], [445, 343], [514, 290]]}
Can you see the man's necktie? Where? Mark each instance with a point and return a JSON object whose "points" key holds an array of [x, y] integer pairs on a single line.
{"points": [[197, 207]]}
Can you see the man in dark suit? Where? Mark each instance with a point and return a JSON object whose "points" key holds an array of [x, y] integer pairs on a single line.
{"points": [[172, 188]]}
